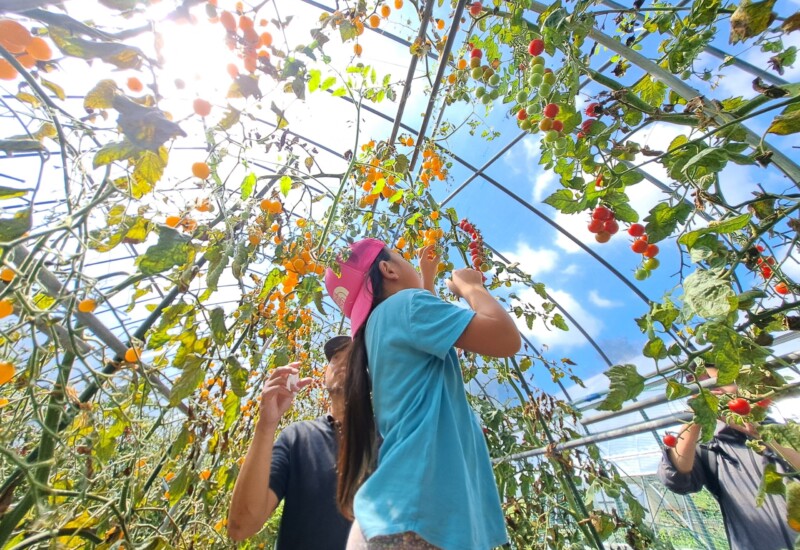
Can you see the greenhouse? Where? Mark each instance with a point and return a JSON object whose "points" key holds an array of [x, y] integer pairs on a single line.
{"points": [[177, 175]]}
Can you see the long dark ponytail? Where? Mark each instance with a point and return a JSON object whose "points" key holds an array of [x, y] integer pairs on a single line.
{"points": [[358, 447]]}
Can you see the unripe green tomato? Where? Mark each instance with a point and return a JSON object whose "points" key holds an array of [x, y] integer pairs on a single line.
{"points": [[494, 94], [494, 80], [475, 62], [535, 80], [685, 75], [537, 69], [538, 60], [534, 108], [485, 267], [487, 72], [545, 89], [549, 78], [561, 143], [522, 96], [480, 91], [550, 136], [477, 73], [525, 125], [651, 264], [641, 274], [486, 99]]}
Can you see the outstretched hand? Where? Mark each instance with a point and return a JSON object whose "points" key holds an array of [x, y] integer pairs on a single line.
{"points": [[429, 266], [279, 391]]}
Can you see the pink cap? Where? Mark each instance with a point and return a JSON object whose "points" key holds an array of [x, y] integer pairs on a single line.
{"points": [[352, 291]]}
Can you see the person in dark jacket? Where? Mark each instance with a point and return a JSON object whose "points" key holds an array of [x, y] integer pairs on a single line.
{"points": [[732, 472], [299, 468]]}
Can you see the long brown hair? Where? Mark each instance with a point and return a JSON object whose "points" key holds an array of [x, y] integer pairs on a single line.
{"points": [[358, 446]]}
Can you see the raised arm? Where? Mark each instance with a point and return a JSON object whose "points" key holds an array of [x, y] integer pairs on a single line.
{"points": [[429, 266], [683, 454], [253, 501], [492, 331]]}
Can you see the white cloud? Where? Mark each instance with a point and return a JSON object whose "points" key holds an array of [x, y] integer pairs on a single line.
{"points": [[533, 261], [599, 301], [542, 335]]}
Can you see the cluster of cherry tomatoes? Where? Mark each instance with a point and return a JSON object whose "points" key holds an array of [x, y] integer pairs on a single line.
{"points": [[476, 249]]}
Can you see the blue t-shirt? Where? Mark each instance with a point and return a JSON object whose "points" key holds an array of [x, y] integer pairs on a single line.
{"points": [[434, 476]]}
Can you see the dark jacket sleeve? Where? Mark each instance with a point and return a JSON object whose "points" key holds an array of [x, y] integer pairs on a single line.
{"points": [[281, 463], [679, 483]]}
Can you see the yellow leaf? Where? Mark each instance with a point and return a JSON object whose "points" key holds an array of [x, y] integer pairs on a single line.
{"points": [[55, 88], [29, 98], [101, 96], [148, 168]]}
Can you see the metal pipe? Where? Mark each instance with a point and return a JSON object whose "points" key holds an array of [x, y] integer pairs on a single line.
{"points": [[412, 68], [448, 46], [655, 424]]}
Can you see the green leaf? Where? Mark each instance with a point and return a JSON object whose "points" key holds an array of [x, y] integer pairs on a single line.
{"points": [[11, 193], [707, 295], [171, 249], [651, 90], [112, 152], [706, 408], [663, 220], [178, 486], [217, 256], [655, 349], [218, 330], [119, 55], [564, 201], [625, 213], [180, 443], [237, 375], [347, 30], [231, 407], [285, 185], [248, 184], [625, 384], [327, 83], [788, 122], [20, 145], [724, 226], [711, 159], [771, 484], [751, 19], [676, 390], [189, 380], [314, 76], [558, 321], [339, 92], [16, 226]]}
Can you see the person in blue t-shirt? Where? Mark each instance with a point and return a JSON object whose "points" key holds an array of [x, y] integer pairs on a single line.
{"points": [[431, 483]]}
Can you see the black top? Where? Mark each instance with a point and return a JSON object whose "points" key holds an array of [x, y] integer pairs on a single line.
{"points": [[304, 474], [732, 473]]}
